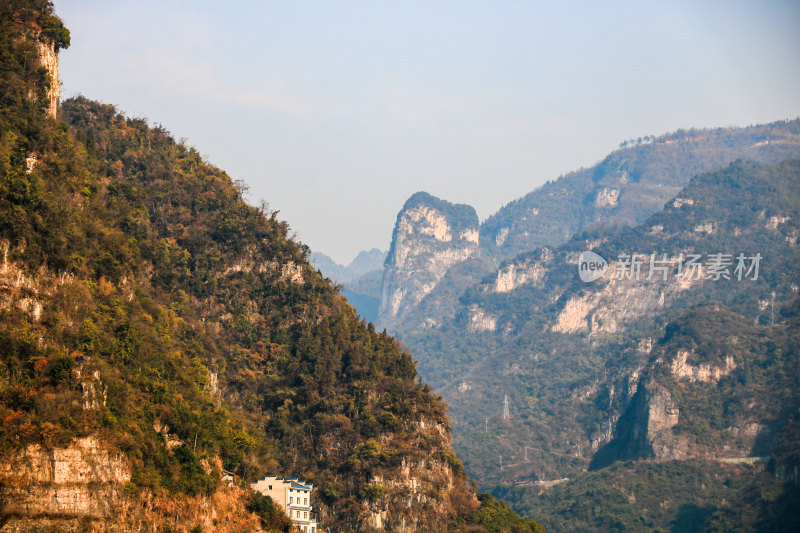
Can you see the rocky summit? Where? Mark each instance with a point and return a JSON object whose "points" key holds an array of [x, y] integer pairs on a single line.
{"points": [[430, 236]]}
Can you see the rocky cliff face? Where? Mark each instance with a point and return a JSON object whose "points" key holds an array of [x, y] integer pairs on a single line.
{"points": [[430, 237], [675, 413], [44, 44], [661, 415], [586, 363], [83, 487], [645, 430], [25, 291], [84, 479], [48, 58], [421, 493]]}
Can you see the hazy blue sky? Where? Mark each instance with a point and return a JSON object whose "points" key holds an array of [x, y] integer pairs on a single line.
{"points": [[336, 112]]}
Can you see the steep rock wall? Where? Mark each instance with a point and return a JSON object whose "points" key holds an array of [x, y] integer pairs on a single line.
{"points": [[644, 430], [82, 487], [82, 480], [430, 236], [48, 58]]}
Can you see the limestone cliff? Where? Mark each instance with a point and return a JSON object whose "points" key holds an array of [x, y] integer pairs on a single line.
{"points": [[418, 495], [33, 37], [48, 58], [84, 479], [84, 486], [645, 430], [430, 237], [676, 412]]}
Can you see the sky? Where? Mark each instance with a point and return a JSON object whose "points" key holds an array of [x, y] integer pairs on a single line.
{"points": [[336, 112]]}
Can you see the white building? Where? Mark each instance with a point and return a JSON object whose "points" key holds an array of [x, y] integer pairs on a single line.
{"points": [[294, 496]]}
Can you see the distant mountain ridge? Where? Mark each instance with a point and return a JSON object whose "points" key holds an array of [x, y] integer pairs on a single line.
{"points": [[625, 188], [630, 184], [361, 279], [365, 261], [592, 371]]}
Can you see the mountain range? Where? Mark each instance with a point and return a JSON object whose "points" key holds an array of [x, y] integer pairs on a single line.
{"points": [[680, 356], [617, 350]]}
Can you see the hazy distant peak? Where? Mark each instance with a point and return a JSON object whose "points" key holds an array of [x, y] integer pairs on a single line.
{"points": [[365, 261], [368, 260]]}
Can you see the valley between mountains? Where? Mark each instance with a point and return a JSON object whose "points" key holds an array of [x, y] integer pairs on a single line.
{"points": [[674, 371], [169, 351]]}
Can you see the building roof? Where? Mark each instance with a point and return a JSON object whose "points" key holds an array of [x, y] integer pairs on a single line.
{"points": [[293, 482]]}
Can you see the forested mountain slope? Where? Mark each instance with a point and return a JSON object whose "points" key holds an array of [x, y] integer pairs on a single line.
{"points": [[551, 341], [714, 414], [689, 362], [630, 184], [155, 330]]}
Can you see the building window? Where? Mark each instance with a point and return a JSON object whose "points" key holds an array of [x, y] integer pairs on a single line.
{"points": [[270, 487], [305, 501], [305, 514], [291, 499]]}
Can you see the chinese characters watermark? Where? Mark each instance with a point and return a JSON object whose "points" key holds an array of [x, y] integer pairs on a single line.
{"points": [[715, 267]]}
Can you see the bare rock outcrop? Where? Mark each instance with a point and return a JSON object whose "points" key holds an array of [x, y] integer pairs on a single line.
{"points": [[48, 58], [430, 236], [644, 431], [83, 480]]}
